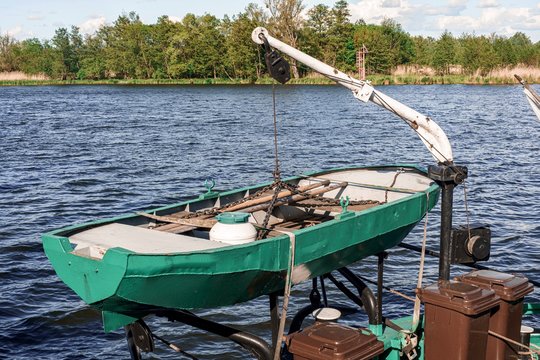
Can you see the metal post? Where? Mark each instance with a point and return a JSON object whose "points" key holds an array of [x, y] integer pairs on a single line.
{"points": [[274, 317], [447, 176], [380, 279], [447, 199]]}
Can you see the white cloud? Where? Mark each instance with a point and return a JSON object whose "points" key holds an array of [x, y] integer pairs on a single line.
{"points": [[34, 17], [93, 24], [391, 3], [456, 16], [175, 19], [410, 16], [19, 32], [373, 11], [458, 3], [15, 32], [488, 3], [457, 24], [502, 21], [453, 10]]}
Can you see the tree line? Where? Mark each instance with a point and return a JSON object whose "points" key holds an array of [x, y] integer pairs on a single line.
{"points": [[208, 47]]}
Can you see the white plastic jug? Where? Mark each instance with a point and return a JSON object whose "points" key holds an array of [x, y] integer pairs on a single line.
{"points": [[233, 228]]}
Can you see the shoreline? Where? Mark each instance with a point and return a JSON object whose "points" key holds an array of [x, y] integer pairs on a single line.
{"points": [[376, 80]]}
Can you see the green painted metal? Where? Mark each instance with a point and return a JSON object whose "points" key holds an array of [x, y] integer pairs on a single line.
{"points": [[535, 344], [133, 284], [531, 308], [393, 340], [233, 218], [113, 320], [209, 194], [345, 213]]}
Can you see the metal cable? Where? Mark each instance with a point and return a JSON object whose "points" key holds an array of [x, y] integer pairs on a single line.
{"points": [[277, 174], [466, 208], [399, 171], [417, 302], [174, 347], [287, 293], [531, 350], [264, 225], [395, 292]]}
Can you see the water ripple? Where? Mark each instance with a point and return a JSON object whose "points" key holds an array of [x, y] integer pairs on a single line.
{"points": [[73, 154]]}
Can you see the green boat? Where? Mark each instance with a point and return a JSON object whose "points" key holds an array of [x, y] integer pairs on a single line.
{"points": [[164, 257]]}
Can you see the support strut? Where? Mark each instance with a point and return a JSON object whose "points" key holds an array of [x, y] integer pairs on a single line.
{"points": [[274, 317], [253, 343], [447, 176], [380, 279], [366, 295]]}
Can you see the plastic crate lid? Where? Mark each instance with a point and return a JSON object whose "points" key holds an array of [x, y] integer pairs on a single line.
{"points": [[507, 286], [325, 340], [465, 298]]}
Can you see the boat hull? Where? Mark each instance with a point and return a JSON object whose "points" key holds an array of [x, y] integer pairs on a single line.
{"points": [[132, 283]]}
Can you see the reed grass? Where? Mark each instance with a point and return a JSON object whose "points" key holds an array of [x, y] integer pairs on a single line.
{"points": [[409, 75], [126, 82], [18, 75]]}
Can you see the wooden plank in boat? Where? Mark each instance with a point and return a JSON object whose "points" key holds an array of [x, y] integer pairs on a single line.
{"points": [[282, 194], [197, 222], [320, 205], [175, 228]]}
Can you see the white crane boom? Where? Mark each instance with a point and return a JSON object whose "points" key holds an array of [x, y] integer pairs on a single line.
{"points": [[429, 132]]}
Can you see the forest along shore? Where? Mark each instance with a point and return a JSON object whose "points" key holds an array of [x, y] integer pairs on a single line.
{"points": [[209, 50], [502, 77]]}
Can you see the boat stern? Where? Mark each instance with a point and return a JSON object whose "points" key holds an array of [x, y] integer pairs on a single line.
{"points": [[94, 280]]}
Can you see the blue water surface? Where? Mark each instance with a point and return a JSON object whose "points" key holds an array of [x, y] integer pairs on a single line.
{"points": [[77, 153]]}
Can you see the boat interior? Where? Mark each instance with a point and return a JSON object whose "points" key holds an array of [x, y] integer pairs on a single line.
{"points": [[299, 203]]}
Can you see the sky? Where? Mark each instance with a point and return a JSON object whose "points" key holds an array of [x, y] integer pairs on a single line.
{"points": [[39, 18]]}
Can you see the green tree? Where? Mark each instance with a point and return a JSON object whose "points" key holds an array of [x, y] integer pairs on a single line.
{"points": [[30, 56], [524, 49], [478, 54], [198, 47], [92, 58], [506, 53], [380, 58], [68, 46], [424, 49], [243, 58], [8, 60], [313, 34], [285, 22], [341, 50], [162, 34], [444, 53], [204, 46], [127, 48], [401, 44]]}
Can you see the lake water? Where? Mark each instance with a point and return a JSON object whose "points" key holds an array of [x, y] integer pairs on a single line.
{"points": [[76, 153]]}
